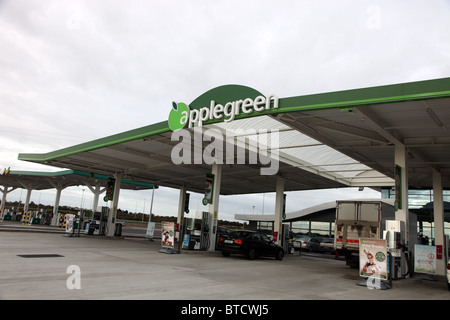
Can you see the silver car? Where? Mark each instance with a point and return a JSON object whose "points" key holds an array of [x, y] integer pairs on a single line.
{"points": [[307, 243], [327, 245]]}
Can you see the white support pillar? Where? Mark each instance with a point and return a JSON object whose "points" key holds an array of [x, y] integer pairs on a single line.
{"points": [[97, 191], [181, 201], [59, 186], [180, 214], [55, 217], [214, 206], [438, 208], [27, 200], [4, 191], [402, 212], [151, 205], [3, 204], [279, 208], [113, 207]]}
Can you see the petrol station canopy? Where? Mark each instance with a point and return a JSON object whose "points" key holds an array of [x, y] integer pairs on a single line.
{"points": [[40, 180], [327, 140]]}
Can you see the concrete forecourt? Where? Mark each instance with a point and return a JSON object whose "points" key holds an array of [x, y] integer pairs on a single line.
{"points": [[52, 266]]}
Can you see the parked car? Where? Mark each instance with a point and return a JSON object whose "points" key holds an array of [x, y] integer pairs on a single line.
{"points": [[448, 273], [221, 232], [252, 244], [307, 243], [327, 245]]}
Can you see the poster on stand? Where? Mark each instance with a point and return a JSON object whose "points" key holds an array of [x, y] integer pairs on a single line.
{"points": [[150, 230], [372, 258], [69, 223], [425, 259], [167, 234]]}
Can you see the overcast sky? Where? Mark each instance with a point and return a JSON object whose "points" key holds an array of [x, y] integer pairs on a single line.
{"points": [[75, 71]]}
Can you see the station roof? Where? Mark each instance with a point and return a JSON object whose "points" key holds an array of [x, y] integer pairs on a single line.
{"points": [[326, 212], [320, 212], [327, 140], [39, 180]]}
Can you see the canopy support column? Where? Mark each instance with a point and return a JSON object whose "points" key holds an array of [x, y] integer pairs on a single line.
{"points": [[114, 203], [279, 199], [401, 190], [59, 187], [27, 200], [181, 201], [97, 191], [55, 217], [4, 192], [438, 212], [214, 206]]}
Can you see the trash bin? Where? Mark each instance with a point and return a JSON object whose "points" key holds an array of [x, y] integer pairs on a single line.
{"points": [[118, 230]]}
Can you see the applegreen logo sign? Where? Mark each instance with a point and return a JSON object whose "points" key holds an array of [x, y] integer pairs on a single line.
{"points": [[179, 116], [266, 143]]}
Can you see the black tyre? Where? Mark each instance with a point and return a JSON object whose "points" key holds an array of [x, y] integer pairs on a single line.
{"points": [[251, 254], [280, 255]]}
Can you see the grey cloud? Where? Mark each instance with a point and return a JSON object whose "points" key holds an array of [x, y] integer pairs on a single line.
{"points": [[77, 71]]}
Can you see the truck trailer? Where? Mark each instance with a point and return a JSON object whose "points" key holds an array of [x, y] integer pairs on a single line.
{"points": [[357, 219]]}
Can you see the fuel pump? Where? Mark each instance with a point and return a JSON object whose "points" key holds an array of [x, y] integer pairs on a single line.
{"points": [[104, 221], [196, 235], [285, 237], [44, 217], [99, 223], [186, 228], [395, 235], [206, 227]]}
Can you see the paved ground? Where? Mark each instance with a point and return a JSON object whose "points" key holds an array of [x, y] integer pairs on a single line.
{"points": [[18, 226], [116, 268]]}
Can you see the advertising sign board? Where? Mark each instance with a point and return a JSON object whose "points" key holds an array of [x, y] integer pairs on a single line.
{"points": [[373, 258], [167, 234], [69, 223], [150, 230], [425, 259]]}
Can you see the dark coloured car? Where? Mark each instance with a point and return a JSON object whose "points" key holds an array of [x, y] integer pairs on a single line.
{"points": [[252, 244], [448, 273], [221, 232]]}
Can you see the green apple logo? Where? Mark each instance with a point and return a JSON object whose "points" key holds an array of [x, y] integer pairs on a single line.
{"points": [[178, 116]]}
